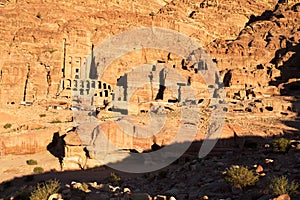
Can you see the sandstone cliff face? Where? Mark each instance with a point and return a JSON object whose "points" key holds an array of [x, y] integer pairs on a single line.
{"points": [[264, 56], [25, 142], [44, 44]]}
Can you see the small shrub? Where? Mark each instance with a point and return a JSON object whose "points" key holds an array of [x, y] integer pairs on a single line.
{"points": [[152, 14], [280, 185], [240, 176], [31, 162], [114, 179], [83, 187], [38, 170], [38, 15], [42, 115], [6, 126], [44, 190], [281, 145], [55, 122], [52, 50]]}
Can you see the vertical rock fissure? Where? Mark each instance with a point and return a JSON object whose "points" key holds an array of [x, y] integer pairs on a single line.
{"points": [[48, 77], [26, 82], [64, 57]]}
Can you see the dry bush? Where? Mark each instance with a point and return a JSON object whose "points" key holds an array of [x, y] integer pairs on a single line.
{"points": [[44, 190], [240, 176], [280, 185]]}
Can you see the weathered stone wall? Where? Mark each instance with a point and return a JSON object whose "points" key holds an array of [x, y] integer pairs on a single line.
{"points": [[25, 142], [44, 44]]}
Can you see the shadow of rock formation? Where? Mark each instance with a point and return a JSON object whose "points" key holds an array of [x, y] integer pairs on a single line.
{"points": [[57, 147], [205, 175]]}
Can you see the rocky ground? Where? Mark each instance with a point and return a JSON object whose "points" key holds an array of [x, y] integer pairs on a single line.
{"points": [[188, 178]]}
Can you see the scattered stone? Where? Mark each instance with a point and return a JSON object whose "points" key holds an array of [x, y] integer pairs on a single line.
{"points": [[262, 174], [259, 169], [205, 197], [94, 184], [160, 197], [55, 197], [220, 164], [76, 185], [105, 187], [283, 197], [126, 190], [269, 160], [114, 189]]}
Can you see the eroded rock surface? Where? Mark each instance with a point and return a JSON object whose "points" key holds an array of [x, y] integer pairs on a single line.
{"points": [[45, 44]]}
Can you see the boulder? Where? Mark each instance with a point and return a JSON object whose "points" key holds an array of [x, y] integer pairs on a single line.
{"points": [[55, 197], [283, 197], [259, 169], [160, 197]]}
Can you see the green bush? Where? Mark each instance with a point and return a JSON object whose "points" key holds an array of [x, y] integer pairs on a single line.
{"points": [[55, 122], [38, 15], [42, 115], [280, 185], [6, 126], [115, 179], [38, 170], [31, 162], [44, 190], [152, 14], [52, 50], [83, 187], [240, 176], [281, 145]]}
